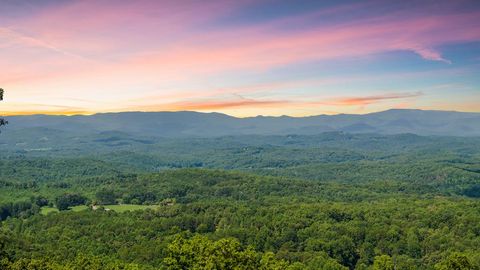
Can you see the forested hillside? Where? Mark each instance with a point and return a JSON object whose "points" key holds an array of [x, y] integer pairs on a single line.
{"points": [[327, 201], [239, 135]]}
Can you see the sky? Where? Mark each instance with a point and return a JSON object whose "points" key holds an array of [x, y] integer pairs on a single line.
{"points": [[241, 57]]}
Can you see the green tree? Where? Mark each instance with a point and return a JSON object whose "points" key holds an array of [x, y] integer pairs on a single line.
{"points": [[106, 196], [199, 252], [39, 200], [323, 261], [456, 261], [31, 264], [383, 262], [3, 252], [69, 199]]}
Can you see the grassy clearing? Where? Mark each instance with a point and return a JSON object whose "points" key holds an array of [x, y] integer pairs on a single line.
{"points": [[79, 208], [129, 207], [46, 210], [115, 207]]}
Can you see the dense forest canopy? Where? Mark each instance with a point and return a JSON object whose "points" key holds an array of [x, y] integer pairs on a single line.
{"points": [[239, 135], [327, 201]]}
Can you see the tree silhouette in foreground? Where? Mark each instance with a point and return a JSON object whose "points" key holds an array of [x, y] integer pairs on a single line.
{"points": [[2, 121]]}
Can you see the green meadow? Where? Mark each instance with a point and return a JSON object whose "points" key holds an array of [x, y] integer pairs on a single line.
{"points": [[113, 207]]}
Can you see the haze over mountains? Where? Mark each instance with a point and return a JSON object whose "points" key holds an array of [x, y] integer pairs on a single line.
{"points": [[187, 124]]}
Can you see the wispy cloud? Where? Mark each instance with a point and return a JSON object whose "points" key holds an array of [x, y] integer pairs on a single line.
{"points": [[121, 54], [215, 104], [17, 39], [367, 100], [238, 101], [40, 108]]}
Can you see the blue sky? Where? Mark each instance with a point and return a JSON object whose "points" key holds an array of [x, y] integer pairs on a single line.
{"points": [[242, 58]]}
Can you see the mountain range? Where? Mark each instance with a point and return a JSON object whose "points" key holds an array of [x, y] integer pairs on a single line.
{"points": [[195, 124]]}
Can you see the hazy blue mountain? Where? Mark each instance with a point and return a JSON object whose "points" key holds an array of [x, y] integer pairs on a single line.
{"points": [[188, 124]]}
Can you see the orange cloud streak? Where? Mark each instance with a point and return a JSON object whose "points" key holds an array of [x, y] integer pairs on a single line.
{"points": [[356, 101], [215, 104]]}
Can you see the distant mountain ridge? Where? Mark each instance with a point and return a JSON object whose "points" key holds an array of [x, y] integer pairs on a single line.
{"points": [[196, 124]]}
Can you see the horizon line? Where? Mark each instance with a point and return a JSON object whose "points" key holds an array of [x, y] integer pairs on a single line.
{"points": [[200, 112]]}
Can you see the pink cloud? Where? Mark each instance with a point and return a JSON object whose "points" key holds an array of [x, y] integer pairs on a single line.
{"points": [[367, 100], [236, 101], [101, 48], [216, 105], [95, 27], [261, 49], [132, 35]]}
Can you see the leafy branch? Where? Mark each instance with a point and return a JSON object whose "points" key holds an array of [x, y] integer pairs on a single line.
{"points": [[2, 121]]}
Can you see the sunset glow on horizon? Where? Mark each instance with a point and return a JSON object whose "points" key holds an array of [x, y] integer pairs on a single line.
{"points": [[243, 58]]}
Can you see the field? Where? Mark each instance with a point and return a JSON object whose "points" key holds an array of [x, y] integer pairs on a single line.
{"points": [[47, 210], [114, 207], [129, 207]]}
